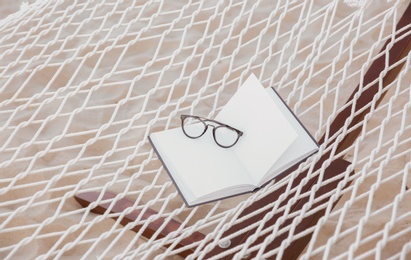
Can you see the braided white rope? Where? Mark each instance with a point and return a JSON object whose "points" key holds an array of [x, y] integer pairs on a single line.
{"points": [[83, 83]]}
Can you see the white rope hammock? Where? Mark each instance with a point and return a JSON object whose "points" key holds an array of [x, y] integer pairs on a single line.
{"points": [[83, 83]]}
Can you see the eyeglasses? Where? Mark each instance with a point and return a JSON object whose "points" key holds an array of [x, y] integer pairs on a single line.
{"points": [[224, 135]]}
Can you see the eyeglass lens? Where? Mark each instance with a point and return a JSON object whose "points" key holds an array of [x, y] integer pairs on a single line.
{"points": [[194, 127], [225, 136]]}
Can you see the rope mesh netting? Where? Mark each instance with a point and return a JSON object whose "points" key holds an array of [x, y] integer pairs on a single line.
{"points": [[83, 84]]}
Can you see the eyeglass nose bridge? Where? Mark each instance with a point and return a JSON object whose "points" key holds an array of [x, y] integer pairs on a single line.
{"points": [[210, 123], [213, 126]]}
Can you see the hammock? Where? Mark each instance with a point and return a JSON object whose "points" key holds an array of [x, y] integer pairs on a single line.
{"points": [[83, 84]]}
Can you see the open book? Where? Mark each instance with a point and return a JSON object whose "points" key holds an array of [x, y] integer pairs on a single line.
{"points": [[273, 140]]}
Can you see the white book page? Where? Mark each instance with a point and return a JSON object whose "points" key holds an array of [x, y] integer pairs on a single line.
{"points": [[267, 133], [200, 164], [302, 146]]}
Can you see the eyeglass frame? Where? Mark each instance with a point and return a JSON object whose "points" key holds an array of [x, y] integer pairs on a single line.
{"points": [[204, 120]]}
